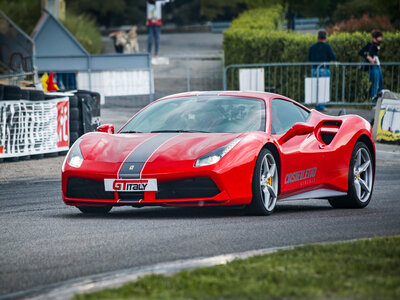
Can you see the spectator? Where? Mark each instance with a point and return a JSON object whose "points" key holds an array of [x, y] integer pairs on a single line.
{"points": [[154, 23], [370, 55], [321, 52]]}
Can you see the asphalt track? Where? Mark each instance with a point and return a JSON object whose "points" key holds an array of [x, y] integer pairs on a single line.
{"points": [[42, 241]]}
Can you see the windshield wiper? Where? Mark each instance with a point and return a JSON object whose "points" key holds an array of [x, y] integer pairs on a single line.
{"points": [[178, 130], [131, 131]]}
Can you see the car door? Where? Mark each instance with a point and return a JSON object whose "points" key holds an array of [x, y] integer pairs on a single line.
{"points": [[301, 156]]}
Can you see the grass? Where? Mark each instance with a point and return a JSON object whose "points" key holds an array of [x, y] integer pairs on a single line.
{"points": [[365, 269]]}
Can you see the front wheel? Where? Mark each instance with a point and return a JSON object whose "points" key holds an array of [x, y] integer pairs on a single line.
{"points": [[99, 210], [265, 184], [361, 180]]}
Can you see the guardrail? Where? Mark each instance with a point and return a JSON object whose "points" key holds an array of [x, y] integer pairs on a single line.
{"points": [[348, 85]]}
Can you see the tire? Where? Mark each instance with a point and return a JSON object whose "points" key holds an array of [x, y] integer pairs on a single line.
{"points": [[74, 114], [265, 186], [98, 210], [361, 180], [50, 97], [85, 98], [73, 136], [11, 92], [25, 157], [74, 126], [73, 101], [53, 154], [36, 95], [24, 94]]}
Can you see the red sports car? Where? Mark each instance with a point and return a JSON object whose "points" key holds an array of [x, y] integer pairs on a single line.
{"points": [[222, 148]]}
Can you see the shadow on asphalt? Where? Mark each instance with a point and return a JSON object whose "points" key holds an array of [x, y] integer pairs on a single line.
{"points": [[195, 212]]}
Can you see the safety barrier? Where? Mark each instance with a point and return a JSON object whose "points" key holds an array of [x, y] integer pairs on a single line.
{"points": [[348, 85], [33, 127], [34, 124]]}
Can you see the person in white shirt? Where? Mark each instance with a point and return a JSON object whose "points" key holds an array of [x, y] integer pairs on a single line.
{"points": [[154, 23]]}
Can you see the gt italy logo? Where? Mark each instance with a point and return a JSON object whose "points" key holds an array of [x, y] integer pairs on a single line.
{"points": [[130, 185]]}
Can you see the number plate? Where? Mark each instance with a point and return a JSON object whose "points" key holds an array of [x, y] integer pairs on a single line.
{"points": [[130, 185]]}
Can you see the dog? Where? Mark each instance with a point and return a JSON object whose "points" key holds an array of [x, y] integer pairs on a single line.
{"points": [[126, 42]]}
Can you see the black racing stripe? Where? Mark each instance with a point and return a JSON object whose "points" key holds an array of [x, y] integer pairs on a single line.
{"points": [[134, 163]]}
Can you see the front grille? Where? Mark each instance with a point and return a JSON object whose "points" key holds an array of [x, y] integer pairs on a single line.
{"points": [[199, 187], [87, 189], [131, 196]]}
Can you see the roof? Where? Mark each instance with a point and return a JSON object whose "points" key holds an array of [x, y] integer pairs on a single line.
{"points": [[251, 94], [52, 39]]}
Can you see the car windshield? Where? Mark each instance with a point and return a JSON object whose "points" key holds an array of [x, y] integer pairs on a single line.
{"points": [[200, 114]]}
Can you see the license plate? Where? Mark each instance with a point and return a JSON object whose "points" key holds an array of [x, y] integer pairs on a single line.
{"points": [[130, 185]]}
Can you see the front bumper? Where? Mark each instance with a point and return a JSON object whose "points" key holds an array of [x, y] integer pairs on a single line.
{"points": [[228, 182]]}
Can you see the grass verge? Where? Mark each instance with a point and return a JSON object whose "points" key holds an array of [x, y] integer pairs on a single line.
{"points": [[365, 269]]}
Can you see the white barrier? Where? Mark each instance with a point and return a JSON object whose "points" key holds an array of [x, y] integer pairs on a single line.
{"points": [[33, 127], [317, 89], [387, 118], [117, 83]]}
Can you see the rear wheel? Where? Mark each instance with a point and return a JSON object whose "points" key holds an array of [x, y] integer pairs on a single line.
{"points": [[361, 179], [99, 210], [265, 184]]}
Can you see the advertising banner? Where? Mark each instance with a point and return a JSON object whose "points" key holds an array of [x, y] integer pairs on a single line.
{"points": [[388, 119], [33, 127]]}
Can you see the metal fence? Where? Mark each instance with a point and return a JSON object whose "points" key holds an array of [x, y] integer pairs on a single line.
{"points": [[175, 74], [348, 84]]}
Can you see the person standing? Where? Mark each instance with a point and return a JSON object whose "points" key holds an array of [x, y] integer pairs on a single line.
{"points": [[321, 52], [154, 22], [370, 55]]}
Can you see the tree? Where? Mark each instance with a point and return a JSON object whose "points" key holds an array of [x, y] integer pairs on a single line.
{"points": [[24, 13], [222, 10], [357, 8], [105, 12]]}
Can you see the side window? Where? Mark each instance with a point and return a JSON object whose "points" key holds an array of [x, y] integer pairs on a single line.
{"points": [[284, 114]]}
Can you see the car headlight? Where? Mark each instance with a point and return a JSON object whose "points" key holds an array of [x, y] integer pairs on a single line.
{"points": [[215, 155], [75, 158]]}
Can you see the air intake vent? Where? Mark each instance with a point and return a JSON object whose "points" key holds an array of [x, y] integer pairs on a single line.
{"points": [[83, 188], [328, 130], [199, 187]]}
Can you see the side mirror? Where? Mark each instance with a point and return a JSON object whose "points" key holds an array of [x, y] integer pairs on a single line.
{"points": [[297, 129], [107, 128]]}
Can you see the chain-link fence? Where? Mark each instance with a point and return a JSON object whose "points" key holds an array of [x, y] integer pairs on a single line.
{"points": [[348, 84], [176, 74]]}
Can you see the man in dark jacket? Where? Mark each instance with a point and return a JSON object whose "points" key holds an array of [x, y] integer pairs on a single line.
{"points": [[321, 52], [370, 55]]}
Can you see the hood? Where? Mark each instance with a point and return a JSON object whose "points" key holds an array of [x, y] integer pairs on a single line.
{"points": [[142, 147]]}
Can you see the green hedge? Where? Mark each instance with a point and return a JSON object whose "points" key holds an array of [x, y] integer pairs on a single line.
{"points": [[261, 18], [246, 45]]}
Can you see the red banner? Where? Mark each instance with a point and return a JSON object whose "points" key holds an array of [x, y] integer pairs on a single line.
{"points": [[62, 124]]}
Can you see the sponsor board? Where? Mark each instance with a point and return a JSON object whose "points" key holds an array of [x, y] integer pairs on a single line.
{"points": [[389, 121], [130, 185], [33, 127]]}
